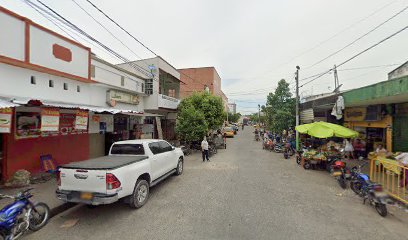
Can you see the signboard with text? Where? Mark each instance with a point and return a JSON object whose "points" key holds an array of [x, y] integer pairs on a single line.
{"points": [[5, 120], [81, 120], [50, 120], [356, 114], [117, 96]]}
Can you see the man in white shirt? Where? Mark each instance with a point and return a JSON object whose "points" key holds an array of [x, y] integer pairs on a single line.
{"points": [[204, 148]]}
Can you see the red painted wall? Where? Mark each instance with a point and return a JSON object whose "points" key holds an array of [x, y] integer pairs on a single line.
{"points": [[25, 153]]}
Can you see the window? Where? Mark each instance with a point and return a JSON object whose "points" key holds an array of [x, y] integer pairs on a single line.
{"points": [[51, 83], [78, 88], [149, 87], [165, 147], [172, 93], [122, 81], [154, 147], [65, 86], [127, 149], [33, 80], [142, 87], [92, 71]]}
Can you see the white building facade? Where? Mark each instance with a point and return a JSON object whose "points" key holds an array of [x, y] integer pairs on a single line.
{"points": [[59, 101]]}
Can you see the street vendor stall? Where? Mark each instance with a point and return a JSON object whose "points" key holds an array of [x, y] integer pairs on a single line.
{"points": [[322, 130]]}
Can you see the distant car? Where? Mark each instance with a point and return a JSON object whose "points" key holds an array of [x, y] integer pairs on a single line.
{"points": [[235, 128], [229, 131]]}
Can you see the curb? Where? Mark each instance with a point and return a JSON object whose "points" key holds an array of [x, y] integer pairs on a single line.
{"points": [[61, 208]]}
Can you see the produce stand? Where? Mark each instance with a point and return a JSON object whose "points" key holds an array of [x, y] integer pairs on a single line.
{"points": [[322, 130]]}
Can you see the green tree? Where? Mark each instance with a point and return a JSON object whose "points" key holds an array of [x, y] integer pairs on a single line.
{"points": [[234, 117], [191, 124], [280, 109], [198, 114]]}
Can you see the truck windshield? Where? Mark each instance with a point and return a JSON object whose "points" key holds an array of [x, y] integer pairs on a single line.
{"points": [[127, 149]]}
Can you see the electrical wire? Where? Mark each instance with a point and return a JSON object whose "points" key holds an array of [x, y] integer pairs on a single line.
{"points": [[356, 55], [359, 38], [337, 34], [128, 33]]}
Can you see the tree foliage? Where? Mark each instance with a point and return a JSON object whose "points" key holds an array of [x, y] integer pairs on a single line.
{"points": [[198, 114], [234, 117], [280, 109]]}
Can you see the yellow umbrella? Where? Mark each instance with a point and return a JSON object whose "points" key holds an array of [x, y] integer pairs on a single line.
{"points": [[326, 130]]}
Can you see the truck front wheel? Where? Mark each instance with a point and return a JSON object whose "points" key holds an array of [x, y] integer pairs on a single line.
{"points": [[140, 194]]}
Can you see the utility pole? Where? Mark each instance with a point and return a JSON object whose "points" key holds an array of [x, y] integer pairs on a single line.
{"points": [[336, 78], [297, 105], [259, 114]]}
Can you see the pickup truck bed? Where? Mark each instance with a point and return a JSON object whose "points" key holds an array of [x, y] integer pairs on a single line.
{"points": [[105, 163]]}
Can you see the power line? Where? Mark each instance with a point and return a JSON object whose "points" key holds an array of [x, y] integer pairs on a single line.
{"points": [[337, 34], [359, 38], [128, 33], [100, 24], [358, 54], [76, 28]]}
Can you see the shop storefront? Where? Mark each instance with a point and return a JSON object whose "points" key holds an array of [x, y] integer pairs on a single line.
{"points": [[400, 128], [373, 123], [37, 131]]}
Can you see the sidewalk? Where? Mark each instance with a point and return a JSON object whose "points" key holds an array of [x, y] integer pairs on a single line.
{"points": [[43, 192]]}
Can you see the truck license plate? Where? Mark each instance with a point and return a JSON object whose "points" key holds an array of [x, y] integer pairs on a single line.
{"points": [[86, 196]]}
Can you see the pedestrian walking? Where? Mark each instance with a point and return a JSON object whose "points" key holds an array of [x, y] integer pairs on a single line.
{"points": [[204, 148]]}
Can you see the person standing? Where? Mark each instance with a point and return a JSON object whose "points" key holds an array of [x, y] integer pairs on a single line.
{"points": [[204, 149], [348, 149]]}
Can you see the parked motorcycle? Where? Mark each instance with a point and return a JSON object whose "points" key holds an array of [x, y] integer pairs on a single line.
{"points": [[257, 137], [268, 145], [212, 149], [288, 151], [369, 191], [22, 215], [341, 172], [278, 148]]}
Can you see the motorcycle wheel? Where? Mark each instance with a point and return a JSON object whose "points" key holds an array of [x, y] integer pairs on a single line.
{"points": [[298, 160], [355, 186], [307, 165], [342, 182], [40, 214], [381, 209]]}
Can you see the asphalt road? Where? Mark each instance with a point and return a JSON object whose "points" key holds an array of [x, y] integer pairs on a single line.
{"points": [[243, 193]]}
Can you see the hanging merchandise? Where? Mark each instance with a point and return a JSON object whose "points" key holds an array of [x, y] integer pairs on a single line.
{"points": [[5, 120], [81, 120], [338, 108]]}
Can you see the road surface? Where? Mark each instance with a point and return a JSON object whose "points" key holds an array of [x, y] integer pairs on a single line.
{"points": [[243, 193]]}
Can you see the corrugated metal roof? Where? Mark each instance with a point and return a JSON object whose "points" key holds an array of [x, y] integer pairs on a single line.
{"points": [[79, 106], [7, 104]]}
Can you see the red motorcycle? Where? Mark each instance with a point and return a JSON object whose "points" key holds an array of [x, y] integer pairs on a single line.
{"points": [[268, 145], [341, 173]]}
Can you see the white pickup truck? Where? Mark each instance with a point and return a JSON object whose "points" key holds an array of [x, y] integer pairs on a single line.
{"points": [[130, 169]]}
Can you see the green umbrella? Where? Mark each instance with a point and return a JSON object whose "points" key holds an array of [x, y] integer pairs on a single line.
{"points": [[326, 130]]}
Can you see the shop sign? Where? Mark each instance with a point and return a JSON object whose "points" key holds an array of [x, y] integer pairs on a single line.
{"points": [[114, 96], [67, 123], [81, 120], [28, 124], [5, 120], [355, 114], [50, 120]]}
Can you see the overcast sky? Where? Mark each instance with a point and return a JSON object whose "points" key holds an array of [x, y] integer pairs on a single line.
{"points": [[252, 44]]}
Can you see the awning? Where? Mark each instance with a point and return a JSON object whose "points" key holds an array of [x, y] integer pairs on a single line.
{"points": [[79, 106], [7, 104]]}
